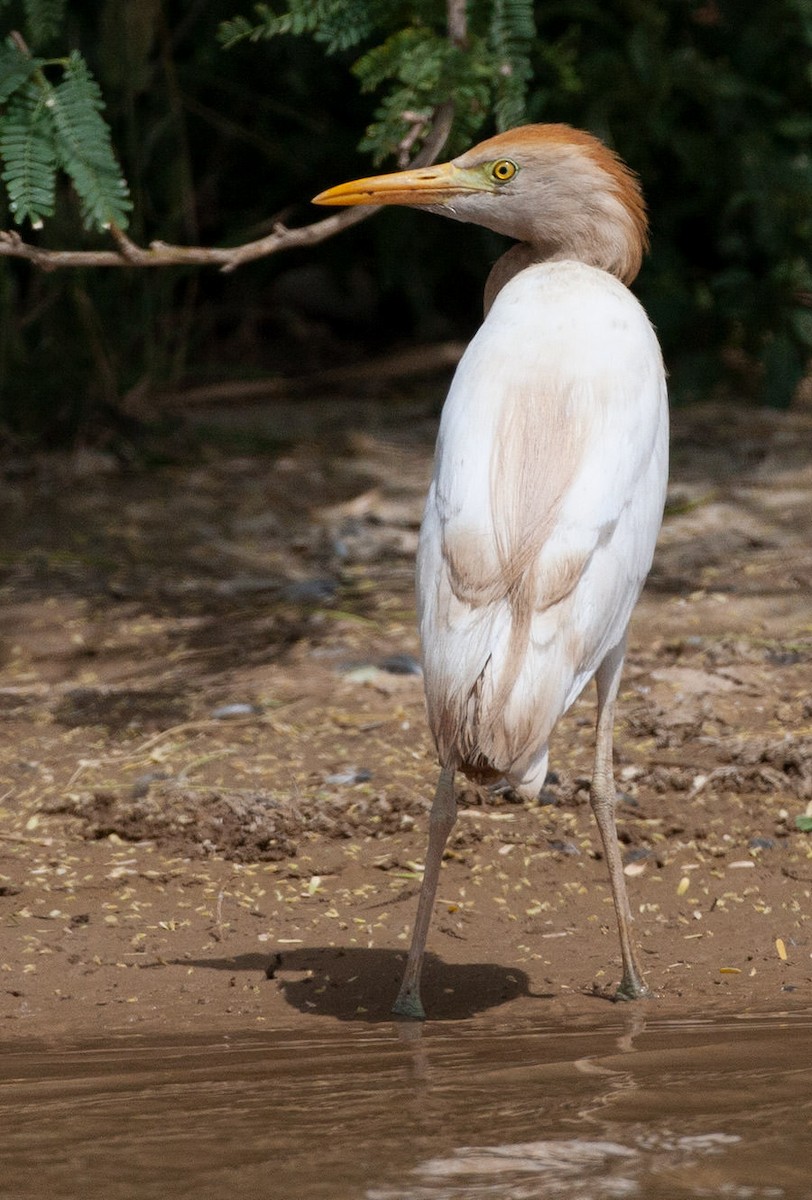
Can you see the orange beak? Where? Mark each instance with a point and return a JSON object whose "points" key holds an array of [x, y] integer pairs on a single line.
{"points": [[418, 187]]}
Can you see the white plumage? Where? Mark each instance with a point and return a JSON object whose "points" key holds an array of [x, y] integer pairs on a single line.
{"points": [[566, 376], [550, 476]]}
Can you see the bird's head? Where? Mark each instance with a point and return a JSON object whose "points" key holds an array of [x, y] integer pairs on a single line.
{"points": [[560, 190]]}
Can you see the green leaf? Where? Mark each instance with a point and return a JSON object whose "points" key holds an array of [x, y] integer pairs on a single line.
{"points": [[84, 147], [337, 24], [29, 156], [238, 29], [804, 823], [383, 62], [512, 33], [15, 69]]}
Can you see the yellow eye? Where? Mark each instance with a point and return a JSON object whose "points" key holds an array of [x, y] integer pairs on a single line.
{"points": [[503, 170]]}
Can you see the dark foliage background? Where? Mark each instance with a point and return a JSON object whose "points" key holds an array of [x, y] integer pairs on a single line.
{"points": [[709, 100]]}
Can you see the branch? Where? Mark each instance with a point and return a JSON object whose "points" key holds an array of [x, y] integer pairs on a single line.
{"points": [[162, 254], [457, 19]]}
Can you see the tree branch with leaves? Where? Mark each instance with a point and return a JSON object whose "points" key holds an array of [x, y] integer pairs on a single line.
{"points": [[47, 127]]}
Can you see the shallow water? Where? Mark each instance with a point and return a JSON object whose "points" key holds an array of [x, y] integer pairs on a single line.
{"points": [[652, 1109]]}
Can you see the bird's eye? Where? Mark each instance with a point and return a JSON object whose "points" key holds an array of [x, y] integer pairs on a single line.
{"points": [[503, 170]]}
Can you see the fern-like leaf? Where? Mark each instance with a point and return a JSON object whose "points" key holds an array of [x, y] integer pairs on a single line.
{"points": [[412, 60], [422, 70], [29, 157], [44, 19], [347, 23], [300, 17], [84, 147], [383, 62], [238, 29], [337, 24], [512, 33], [15, 69]]}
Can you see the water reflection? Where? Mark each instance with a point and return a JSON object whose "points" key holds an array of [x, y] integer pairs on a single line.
{"points": [[573, 1167], [635, 1107]]}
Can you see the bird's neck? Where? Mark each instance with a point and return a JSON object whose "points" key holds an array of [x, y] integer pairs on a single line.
{"points": [[515, 260], [612, 251]]}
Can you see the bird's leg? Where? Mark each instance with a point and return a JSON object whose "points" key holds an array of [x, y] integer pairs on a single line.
{"points": [[441, 822], [603, 800]]}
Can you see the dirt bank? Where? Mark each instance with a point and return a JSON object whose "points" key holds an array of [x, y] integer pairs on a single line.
{"points": [[215, 768]]}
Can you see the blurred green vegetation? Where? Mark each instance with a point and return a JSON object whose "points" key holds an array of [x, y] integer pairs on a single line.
{"points": [[709, 100]]}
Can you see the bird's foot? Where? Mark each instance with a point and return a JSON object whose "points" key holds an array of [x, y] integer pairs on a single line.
{"points": [[408, 1004], [632, 988]]}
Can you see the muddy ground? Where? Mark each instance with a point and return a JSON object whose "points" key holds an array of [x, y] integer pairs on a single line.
{"points": [[216, 771]]}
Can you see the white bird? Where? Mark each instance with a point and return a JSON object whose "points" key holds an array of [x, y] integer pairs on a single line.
{"points": [[549, 480]]}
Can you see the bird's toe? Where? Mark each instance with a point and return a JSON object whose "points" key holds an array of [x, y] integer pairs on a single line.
{"points": [[632, 989], [408, 1004]]}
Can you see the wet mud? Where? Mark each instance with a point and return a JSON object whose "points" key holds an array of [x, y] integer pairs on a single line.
{"points": [[215, 784]]}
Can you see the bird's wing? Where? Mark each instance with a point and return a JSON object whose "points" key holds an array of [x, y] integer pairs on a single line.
{"points": [[544, 509]]}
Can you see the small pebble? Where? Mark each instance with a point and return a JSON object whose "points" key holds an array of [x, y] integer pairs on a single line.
{"points": [[310, 591], [784, 658], [350, 776], [226, 711], [367, 674], [638, 853], [400, 664], [564, 847], [141, 785]]}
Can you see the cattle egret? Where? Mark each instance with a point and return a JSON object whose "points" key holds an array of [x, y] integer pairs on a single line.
{"points": [[549, 479]]}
